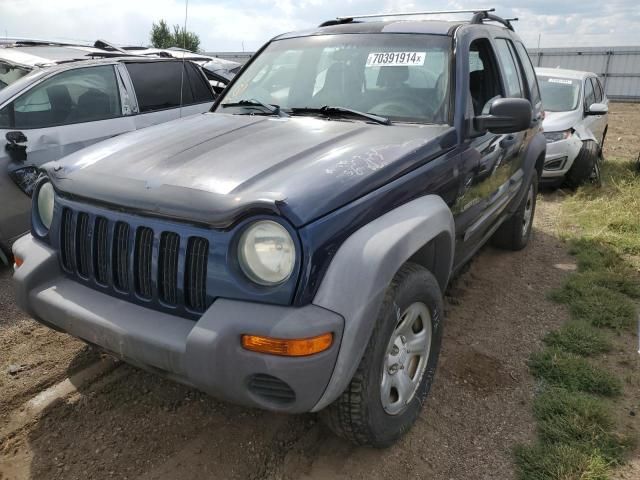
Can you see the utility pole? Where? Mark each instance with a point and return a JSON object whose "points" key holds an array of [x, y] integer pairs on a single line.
{"points": [[539, 36]]}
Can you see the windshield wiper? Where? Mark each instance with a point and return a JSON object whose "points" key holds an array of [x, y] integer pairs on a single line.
{"points": [[272, 109], [342, 112]]}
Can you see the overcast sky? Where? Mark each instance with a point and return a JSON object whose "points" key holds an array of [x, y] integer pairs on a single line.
{"points": [[225, 25]]}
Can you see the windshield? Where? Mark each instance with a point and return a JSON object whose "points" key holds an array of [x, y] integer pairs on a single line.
{"points": [[10, 73], [559, 94], [403, 77]]}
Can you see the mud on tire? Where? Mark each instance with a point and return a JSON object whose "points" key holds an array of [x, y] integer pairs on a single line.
{"points": [[358, 415]]}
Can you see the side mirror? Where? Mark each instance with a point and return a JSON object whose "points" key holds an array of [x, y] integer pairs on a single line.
{"points": [[15, 138], [597, 109], [506, 115]]}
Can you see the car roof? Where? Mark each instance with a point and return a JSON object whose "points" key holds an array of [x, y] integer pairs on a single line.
{"points": [[433, 27], [42, 55], [564, 73]]}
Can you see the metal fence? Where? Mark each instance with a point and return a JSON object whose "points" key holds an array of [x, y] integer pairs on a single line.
{"points": [[617, 67], [240, 57]]}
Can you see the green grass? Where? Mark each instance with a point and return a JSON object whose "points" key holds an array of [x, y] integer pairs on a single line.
{"points": [[577, 434], [560, 462], [604, 290], [608, 215], [572, 372], [583, 421], [580, 338]]}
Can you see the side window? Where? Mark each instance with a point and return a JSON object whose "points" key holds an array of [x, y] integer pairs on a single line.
{"points": [[75, 96], [157, 85], [200, 90], [512, 78], [484, 82], [589, 94], [529, 73], [601, 88], [596, 89]]}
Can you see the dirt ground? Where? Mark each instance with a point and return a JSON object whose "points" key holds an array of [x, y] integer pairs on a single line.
{"points": [[127, 423]]}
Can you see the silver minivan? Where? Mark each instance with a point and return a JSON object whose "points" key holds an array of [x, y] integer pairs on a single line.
{"points": [[54, 111]]}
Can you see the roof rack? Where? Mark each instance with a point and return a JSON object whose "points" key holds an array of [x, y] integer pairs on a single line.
{"points": [[479, 18], [479, 14], [351, 18]]}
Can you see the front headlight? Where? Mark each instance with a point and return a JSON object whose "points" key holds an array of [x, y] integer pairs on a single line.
{"points": [[557, 136], [44, 204], [267, 253]]}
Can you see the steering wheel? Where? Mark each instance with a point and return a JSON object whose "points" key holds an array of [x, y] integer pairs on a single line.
{"points": [[402, 107]]}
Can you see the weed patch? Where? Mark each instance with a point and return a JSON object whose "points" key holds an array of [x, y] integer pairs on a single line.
{"points": [[573, 373], [578, 337]]}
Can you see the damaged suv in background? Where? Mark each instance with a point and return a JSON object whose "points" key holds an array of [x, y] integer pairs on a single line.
{"points": [[71, 102]]}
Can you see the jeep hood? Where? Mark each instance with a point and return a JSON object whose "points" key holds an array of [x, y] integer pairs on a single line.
{"points": [[560, 121], [215, 168]]}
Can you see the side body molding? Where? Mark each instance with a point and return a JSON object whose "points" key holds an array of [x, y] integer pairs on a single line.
{"points": [[365, 264]]}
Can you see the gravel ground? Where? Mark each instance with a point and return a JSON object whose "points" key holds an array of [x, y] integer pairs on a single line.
{"points": [[131, 424], [141, 426]]}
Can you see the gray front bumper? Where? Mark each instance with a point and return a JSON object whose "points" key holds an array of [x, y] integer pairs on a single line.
{"points": [[206, 353]]}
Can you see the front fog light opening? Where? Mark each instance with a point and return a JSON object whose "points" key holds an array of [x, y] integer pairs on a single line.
{"points": [[266, 253], [555, 164]]}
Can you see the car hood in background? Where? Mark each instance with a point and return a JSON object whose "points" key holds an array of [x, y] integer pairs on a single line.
{"points": [[214, 168], [560, 121]]}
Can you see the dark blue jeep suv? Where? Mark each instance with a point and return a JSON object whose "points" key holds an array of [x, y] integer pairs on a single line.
{"points": [[289, 249]]}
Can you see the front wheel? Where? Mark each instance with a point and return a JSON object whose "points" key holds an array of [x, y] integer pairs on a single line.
{"points": [[395, 374]]}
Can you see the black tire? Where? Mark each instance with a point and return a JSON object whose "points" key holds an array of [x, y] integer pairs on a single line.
{"points": [[358, 414], [583, 166], [514, 233]]}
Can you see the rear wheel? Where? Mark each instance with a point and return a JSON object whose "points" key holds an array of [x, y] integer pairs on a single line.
{"points": [[393, 379], [515, 232], [584, 166]]}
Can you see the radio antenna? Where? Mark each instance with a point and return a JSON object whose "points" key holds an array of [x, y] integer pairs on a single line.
{"points": [[184, 48]]}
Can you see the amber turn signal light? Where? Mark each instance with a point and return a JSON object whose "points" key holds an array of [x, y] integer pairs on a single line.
{"points": [[17, 262], [298, 347]]}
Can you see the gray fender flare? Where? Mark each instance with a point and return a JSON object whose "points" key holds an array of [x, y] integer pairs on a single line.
{"points": [[365, 264]]}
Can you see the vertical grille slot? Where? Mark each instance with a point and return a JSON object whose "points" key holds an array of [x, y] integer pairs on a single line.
{"points": [[121, 256], [66, 239], [195, 275], [142, 261], [83, 245], [100, 248], [168, 268]]}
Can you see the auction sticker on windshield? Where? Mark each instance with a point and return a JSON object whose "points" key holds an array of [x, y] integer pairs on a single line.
{"points": [[564, 81], [395, 59]]}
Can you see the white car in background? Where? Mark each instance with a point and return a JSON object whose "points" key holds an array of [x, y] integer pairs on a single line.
{"points": [[575, 125]]}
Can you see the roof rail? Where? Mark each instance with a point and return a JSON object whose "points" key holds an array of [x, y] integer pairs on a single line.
{"points": [[351, 18], [479, 18]]}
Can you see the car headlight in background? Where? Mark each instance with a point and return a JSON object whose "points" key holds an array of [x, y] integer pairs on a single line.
{"points": [[43, 204], [267, 253], [26, 178], [557, 136]]}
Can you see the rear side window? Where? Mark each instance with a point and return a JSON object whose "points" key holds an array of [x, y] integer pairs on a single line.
{"points": [[157, 85], [529, 73], [199, 89], [600, 87], [511, 76], [589, 94], [75, 96], [596, 89]]}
